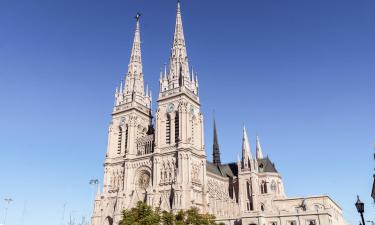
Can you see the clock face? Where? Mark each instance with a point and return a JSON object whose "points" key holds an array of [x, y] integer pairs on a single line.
{"points": [[170, 108]]}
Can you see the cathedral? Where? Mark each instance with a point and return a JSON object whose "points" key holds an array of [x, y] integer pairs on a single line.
{"points": [[161, 159]]}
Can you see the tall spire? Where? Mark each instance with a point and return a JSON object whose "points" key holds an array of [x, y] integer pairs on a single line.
{"points": [[246, 152], [259, 152], [216, 149], [178, 68], [178, 62], [134, 77], [134, 90]]}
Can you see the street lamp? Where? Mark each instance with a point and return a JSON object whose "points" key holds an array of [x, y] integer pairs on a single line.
{"points": [[360, 208], [8, 200], [94, 183]]}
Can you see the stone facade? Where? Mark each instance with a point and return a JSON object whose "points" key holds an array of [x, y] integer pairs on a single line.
{"points": [[161, 160]]}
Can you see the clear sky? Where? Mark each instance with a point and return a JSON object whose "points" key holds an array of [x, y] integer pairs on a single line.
{"points": [[299, 73]]}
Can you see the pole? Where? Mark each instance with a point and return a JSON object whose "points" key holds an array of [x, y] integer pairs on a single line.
{"points": [[8, 200], [63, 214], [23, 213], [95, 184], [363, 219]]}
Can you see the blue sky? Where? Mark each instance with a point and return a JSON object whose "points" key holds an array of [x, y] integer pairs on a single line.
{"points": [[299, 73]]}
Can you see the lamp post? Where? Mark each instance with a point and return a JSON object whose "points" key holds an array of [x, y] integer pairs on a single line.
{"points": [[94, 183], [8, 201], [360, 208]]}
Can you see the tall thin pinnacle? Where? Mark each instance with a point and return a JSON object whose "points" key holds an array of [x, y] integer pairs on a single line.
{"points": [[216, 148], [259, 151], [246, 152]]}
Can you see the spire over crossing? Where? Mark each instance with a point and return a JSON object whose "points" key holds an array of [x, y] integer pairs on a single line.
{"points": [[216, 148]]}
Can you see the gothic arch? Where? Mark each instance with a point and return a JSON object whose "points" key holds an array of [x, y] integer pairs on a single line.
{"points": [[143, 177]]}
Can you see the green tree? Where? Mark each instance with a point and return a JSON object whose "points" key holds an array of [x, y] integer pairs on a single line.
{"points": [[143, 214]]}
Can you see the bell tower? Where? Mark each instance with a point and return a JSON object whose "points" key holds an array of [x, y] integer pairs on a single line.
{"points": [[130, 134], [179, 128]]}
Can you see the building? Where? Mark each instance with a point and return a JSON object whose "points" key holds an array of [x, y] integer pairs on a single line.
{"points": [[160, 159]]}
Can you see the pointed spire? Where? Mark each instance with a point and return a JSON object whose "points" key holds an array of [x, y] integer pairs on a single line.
{"points": [[216, 148], [246, 152], [259, 152], [134, 77], [147, 90], [178, 62], [179, 38], [136, 56]]}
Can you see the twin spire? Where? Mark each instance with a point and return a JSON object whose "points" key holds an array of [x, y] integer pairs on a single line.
{"points": [[177, 75]]}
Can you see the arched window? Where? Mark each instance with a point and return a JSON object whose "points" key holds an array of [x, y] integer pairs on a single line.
{"points": [[168, 130], [176, 128], [265, 187], [119, 140]]}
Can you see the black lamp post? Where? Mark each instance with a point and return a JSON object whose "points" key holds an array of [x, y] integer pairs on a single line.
{"points": [[360, 208]]}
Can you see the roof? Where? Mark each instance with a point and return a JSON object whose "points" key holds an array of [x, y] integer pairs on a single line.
{"points": [[224, 170], [231, 169], [266, 166]]}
